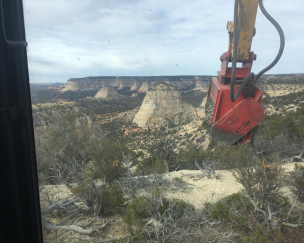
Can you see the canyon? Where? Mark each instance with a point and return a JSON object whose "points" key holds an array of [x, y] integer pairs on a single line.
{"points": [[132, 83]]}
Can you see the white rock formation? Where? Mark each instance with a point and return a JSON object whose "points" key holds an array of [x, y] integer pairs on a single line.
{"points": [[135, 86], [161, 101], [144, 87], [134, 95], [107, 93], [70, 86], [121, 86]]}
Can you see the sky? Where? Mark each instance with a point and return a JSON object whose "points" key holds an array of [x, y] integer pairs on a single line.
{"points": [[80, 38]]}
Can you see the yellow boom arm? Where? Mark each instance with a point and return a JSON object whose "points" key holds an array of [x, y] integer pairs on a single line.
{"points": [[246, 21]]}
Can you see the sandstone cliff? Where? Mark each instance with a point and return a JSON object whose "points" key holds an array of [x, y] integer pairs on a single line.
{"points": [[144, 87], [161, 101], [94, 83], [123, 85], [203, 86], [107, 93], [135, 86], [70, 86]]}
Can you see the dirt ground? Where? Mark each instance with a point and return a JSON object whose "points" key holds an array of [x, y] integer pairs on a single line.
{"points": [[201, 190]]}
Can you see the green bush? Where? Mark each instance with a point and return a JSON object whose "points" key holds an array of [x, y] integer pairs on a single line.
{"points": [[137, 211], [148, 207], [260, 236], [106, 162], [232, 210], [291, 125], [237, 211], [296, 179], [112, 199]]}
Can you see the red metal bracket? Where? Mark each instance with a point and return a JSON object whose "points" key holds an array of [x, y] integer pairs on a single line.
{"points": [[225, 74]]}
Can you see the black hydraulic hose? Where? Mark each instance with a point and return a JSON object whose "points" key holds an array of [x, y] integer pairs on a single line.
{"points": [[250, 76], [282, 42]]}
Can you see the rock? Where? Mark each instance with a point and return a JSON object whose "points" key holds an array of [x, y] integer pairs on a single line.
{"points": [[134, 95], [144, 87], [200, 85], [70, 86], [161, 101], [121, 86], [135, 86], [107, 93]]}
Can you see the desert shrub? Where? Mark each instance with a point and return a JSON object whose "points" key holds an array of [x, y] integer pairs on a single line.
{"points": [[163, 220], [185, 160], [229, 158], [260, 236], [112, 199], [107, 162], [273, 148], [178, 180], [232, 210], [237, 211], [147, 207], [101, 199], [291, 125], [193, 97], [296, 180], [63, 147], [151, 166], [137, 211]]}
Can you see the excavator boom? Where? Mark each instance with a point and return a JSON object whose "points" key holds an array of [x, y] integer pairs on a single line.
{"points": [[234, 103]]}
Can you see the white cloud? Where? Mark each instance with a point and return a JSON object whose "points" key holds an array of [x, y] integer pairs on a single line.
{"points": [[149, 37]]}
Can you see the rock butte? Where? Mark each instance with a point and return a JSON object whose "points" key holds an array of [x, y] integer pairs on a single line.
{"points": [[144, 87], [107, 93], [135, 86], [134, 95], [120, 86], [161, 101], [70, 86]]}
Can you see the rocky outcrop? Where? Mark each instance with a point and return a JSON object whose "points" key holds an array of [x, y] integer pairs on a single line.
{"points": [[107, 93], [97, 82], [202, 86], [135, 86], [134, 95], [123, 85], [70, 86], [161, 101], [144, 87]]}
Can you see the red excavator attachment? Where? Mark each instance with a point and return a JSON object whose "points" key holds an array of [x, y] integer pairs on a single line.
{"points": [[233, 122]]}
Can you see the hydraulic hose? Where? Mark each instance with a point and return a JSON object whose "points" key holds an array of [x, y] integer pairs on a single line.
{"points": [[250, 76], [282, 42]]}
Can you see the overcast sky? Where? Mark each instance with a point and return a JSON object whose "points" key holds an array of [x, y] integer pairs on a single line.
{"points": [[79, 38]]}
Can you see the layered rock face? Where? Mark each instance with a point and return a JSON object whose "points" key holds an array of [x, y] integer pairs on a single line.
{"points": [[70, 86], [161, 101], [123, 85], [107, 93], [120, 86], [200, 85], [135, 86], [97, 82], [144, 87]]}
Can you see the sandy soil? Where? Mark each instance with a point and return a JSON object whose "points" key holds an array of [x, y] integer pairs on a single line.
{"points": [[203, 190], [281, 89], [198, 190]]}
